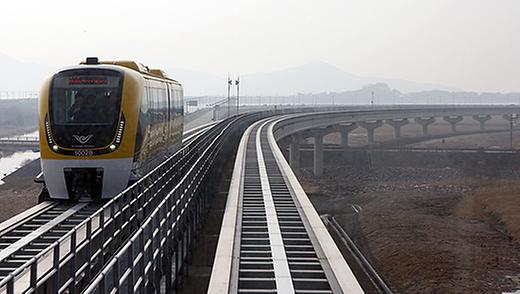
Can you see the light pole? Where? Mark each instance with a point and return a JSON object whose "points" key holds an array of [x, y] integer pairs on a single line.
{"points": [[237, 83], [512, 121], [229, 82]]}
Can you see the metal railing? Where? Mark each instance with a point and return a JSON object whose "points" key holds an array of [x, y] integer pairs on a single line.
{"points": [[11, 95], [71, 262], [155, 257], [25, 141]]}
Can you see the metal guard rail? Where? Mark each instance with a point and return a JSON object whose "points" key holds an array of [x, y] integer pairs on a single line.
{"points": [[71, 262], [161, 245]]}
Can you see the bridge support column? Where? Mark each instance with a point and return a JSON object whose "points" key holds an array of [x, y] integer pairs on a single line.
{"points": [[318, 155], [425, 122], [370, 126], [453, 120], [344, 130], [508, 117], [397, 124], [294, 151], [482, 119]]}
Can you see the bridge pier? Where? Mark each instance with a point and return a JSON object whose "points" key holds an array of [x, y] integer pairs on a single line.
{"points": [[370, 126], [294, 151], [344, 130], [318, 155], [397, 124], [425, 122], [453, 120], [482, 119], [508, 117]]}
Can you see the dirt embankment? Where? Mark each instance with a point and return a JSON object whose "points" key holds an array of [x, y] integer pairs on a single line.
{"points": [[439, 229], [18, 195]]}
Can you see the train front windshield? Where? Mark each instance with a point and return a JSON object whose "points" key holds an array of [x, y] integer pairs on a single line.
{"points": [[85, 104]]}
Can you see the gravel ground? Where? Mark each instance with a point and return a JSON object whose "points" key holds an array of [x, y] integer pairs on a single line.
{"points": [[428, 230], [17, 195]]}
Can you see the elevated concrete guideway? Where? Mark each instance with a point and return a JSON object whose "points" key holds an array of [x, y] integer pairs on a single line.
{"points": [[317, 125], [267, 207], [272, 240], [19, 142]]}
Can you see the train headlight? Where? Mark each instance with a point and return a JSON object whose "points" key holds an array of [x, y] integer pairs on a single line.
{"points": [[55, 147], [112, 147]]}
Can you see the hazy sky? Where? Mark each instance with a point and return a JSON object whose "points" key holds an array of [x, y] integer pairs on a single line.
{"points": [[468, 44]]}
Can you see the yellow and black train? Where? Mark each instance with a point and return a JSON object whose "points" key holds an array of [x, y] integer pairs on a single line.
{"points": [[106, 124]]}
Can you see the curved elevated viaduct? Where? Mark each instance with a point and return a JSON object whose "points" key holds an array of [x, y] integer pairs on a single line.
{"points": [[293, 129]]}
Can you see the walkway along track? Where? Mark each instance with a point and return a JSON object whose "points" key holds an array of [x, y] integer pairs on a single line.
{"points": [[272, 240], [68, 263]]}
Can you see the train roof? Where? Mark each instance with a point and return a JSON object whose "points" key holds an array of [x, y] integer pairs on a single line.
{"points": [[133, 65]]}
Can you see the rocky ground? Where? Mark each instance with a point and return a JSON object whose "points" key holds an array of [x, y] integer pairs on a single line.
{"points": [[435, 229], [19, 192], [17, 195]]}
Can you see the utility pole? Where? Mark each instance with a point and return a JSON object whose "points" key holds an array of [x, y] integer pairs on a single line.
{"points": [[229, 82], [372, 100], [237, 83], [512, 119]]}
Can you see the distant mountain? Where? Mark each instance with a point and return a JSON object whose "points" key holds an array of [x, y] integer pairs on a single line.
{"points": [[198, 83], [21, 76], [310, 78], [317, 77]]}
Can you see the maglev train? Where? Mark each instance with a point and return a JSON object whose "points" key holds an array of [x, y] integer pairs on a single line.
{"points": [[105, 124]]}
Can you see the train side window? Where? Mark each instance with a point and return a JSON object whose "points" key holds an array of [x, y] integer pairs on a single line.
{"points": [[178, 102], [154, 105], [144, 102], [181, 103], [172, 104]]}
